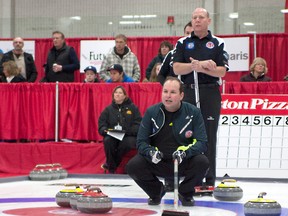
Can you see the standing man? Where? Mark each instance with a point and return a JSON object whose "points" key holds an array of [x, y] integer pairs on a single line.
{"points": [[62, 61], [170, 130], [24, 61], [204, 53], [121, 54]]}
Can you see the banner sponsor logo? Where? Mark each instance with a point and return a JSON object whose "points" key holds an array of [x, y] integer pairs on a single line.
{"points": [[93, 52], [238, 50], [255, 104]]}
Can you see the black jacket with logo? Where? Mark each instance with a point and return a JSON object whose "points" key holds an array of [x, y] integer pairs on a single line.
{"points": [[126, 114]]}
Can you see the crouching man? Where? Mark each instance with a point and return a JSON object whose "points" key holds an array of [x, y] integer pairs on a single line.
{"points": [[170, 130]]}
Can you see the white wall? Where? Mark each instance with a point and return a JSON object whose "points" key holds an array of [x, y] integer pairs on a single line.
{"points": [[38, 18], [5, 18]]}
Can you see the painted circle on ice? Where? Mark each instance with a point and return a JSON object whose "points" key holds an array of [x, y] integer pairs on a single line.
{"points": [[50, 211]]}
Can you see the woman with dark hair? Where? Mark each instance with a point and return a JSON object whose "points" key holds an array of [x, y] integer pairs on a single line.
{"points": [[121, 115], [164, 48]]}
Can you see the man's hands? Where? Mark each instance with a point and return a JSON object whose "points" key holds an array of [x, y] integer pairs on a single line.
{"points": [[179, 155], [203, 66], [156, 156], [57, 68]]}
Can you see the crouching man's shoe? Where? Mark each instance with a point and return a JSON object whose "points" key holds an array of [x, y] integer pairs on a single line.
{"points": [[186, 201], [157, 200]]}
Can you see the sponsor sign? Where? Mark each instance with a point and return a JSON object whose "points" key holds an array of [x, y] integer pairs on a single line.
{"points": [[254, 104], [238, 50], [92, 52]]}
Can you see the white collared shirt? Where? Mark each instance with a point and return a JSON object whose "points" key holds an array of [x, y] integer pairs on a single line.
{"points": [[9, 79]]}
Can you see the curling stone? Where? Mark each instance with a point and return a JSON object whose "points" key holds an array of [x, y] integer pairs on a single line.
{"points": [[58, 168], [54, 173], [40, 173], [63, 196], [94, 201], [227, 190], [73, 199], [204, 190], [262, 207], [75, 196]]}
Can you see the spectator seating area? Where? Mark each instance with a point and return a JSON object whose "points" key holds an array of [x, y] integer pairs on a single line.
{"points": [[28, 111]]}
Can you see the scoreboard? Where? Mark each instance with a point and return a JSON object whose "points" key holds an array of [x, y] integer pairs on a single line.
{"points": [[253, 136]]}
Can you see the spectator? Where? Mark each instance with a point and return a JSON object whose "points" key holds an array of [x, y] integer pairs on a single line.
{"points": [[24, 61], [121, 54], [118, 75], [62, 61], [170, 130], [285, 78], [1, 74], [205, 54], [167, 68], [154, 73], [1, 54], [91, 75], [121, 114], [12, 73], [164, 48], [258, 71]]}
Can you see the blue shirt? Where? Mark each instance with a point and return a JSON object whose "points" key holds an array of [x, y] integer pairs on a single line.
{"points": [[125, 79]]}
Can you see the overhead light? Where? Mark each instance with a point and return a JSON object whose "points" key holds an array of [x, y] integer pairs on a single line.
{"points": [[251, 32], [248, 24], [284, 11], [110, 23], [75, 18], [129, 22], [139, 16], [233, 15], [127, 16], [148, 16]]}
